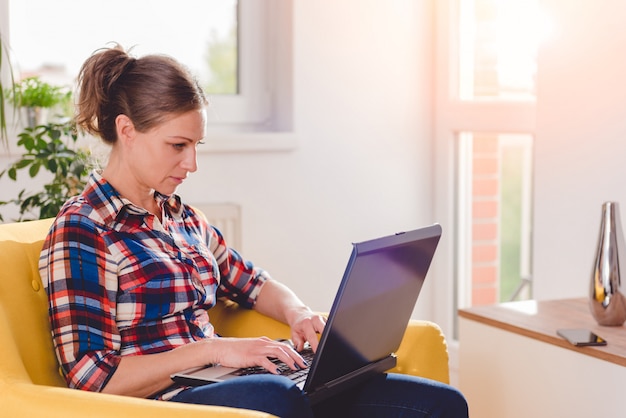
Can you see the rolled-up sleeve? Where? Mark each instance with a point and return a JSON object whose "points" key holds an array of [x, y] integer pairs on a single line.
{"points": [[80, 278]]}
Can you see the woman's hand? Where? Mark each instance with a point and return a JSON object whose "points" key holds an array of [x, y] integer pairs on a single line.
{"points": [[305, 326], [278, 301], [250, 352]]}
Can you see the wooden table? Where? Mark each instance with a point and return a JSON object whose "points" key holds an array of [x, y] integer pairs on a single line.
{"points": [[513, 364]]}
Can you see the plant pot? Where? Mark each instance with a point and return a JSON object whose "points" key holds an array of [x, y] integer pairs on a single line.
{"points": [[35, 116]]}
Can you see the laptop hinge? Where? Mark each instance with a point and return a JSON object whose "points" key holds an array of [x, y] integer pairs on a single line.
{"points": [[351, 379]]}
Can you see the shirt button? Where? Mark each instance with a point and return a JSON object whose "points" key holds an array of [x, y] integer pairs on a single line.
{"points": [[36, 285]]}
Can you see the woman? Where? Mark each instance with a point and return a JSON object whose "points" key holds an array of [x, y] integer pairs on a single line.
{"points": [[131, 271]]}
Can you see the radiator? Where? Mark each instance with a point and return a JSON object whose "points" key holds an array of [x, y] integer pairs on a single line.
{"points": [[227, 218]]}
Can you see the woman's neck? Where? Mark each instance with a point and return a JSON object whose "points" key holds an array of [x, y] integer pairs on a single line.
{"points": [[125, 183]]}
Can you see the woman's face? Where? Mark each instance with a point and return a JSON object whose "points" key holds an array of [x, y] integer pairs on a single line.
{"points": [[161, 158]]}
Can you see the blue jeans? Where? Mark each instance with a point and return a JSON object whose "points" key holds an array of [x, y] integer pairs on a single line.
{"points": [[384, 396]]}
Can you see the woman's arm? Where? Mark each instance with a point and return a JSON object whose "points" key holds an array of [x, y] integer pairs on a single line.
{"points": [[145, 375], [279, 302], [74, 266]]}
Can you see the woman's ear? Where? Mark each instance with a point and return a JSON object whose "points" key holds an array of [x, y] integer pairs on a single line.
{"points": [[124, 128]]}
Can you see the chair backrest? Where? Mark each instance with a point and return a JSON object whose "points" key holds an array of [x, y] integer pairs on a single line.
{"points": [[26, 350]]}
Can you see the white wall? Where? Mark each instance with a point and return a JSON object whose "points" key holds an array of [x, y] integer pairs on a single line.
{"points": [[362, 109], [580, 149], [362, 168]]}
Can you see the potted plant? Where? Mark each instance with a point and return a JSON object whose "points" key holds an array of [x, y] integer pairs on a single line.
{"points": [[52, 148], [36, 96]]}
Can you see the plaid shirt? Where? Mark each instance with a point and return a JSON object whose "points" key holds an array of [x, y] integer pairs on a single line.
{"points": [[120, 282]]}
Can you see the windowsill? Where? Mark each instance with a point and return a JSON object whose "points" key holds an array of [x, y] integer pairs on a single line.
{"points": [[249, 142], [228, 142]]}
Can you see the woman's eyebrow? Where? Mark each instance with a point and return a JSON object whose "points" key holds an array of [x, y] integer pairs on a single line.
{"points": [[183, 137]]}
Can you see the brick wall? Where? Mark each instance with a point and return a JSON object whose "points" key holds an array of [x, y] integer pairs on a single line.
{"points": [[485, 219]]}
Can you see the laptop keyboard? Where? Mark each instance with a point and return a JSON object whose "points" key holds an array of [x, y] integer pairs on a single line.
{"points": [[284, 370]]}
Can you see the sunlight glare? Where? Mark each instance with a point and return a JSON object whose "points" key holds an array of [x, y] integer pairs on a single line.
{"points": [[521, 27], [499, 43]]}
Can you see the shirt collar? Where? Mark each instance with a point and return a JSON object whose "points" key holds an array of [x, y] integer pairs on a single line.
{"points": [[111, 206], [172, 204]]}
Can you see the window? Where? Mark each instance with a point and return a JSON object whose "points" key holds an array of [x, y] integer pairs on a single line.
{"points": [[485, 121], [204, 28], [494, 209], [497, 62], [223, 42]]}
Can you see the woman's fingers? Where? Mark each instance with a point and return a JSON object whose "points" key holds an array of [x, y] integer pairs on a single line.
{"points": [[250, 352], [308, 330], [290, 357]]}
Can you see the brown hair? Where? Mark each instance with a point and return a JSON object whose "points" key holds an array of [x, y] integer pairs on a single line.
{"points": [[149, 90]]}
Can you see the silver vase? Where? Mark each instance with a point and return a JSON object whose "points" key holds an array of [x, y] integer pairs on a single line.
{"points": [[607, 301]]}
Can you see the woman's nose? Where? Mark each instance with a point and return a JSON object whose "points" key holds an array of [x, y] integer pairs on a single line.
{"points": [[190, 163]]}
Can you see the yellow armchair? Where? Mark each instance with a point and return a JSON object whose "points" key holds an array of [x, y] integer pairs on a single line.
{"points": [[30, 380]]}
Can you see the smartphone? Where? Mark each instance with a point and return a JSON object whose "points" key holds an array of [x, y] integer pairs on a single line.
{"points": [[581, 337]]}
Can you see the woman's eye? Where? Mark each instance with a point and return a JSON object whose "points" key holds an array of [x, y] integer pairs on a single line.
{"points": [[182, 145]]}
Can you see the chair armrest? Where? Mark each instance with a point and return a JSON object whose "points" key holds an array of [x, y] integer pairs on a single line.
{"points": [[423, 351], [29, 400], [230, 320]]}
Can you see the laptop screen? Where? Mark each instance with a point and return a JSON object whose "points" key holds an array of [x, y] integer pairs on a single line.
{"points": [[374, 302]]}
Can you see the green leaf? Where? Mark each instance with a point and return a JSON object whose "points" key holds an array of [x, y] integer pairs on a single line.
{"points": [[28, 143], [78, 169], [28, 203], [12, 173], [49, 210], [23, 163], [41, 143], [52, 165], [44, 154], [34, 169], [55, 134]]}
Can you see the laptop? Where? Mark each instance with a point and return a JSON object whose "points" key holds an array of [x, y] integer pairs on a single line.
{"points": [[367, 320]]}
